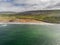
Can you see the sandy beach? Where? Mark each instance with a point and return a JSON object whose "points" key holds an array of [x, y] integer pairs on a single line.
{"points": [[24, 21], [39, 23]]}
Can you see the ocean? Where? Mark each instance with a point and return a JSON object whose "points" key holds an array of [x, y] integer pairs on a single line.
{"points": [[29, 34]]}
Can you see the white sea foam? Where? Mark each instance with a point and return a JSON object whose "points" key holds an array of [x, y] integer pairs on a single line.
{"points": [[4, 25], [41, 23]]}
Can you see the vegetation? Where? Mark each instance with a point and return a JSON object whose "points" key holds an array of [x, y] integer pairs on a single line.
{"points": [[53, 17]]}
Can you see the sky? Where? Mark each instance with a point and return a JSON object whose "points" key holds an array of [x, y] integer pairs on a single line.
{"points": [[28, 5]]}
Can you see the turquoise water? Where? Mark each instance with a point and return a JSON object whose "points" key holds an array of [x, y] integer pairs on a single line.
{"points": [[23, 34]]}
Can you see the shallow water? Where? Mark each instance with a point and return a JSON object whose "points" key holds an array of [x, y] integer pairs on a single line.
{"points": [[26, 34]]}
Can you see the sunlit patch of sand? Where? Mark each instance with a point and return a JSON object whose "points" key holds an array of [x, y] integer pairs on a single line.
{"points": [[24, 21]]}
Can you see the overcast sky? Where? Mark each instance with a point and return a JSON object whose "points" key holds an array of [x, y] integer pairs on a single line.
{"points": [[26, 5]]}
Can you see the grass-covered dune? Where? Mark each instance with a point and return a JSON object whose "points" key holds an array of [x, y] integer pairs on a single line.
{"points": [[51, 16]]}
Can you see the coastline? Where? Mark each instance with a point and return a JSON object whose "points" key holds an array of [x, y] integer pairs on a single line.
{"points": [[38, 23]]}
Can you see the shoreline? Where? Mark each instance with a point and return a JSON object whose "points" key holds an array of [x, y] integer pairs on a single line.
{"points": [[39, 23]]}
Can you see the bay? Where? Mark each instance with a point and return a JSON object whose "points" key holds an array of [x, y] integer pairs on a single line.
{"points": [[26, 34]]}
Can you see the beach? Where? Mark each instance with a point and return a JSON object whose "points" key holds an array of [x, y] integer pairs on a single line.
{"points": [[39, 23], [24, 21]]}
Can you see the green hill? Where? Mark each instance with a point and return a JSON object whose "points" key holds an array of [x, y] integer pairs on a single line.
{"points": [[51, 16]]}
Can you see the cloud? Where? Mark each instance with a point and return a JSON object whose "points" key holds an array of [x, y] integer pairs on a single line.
{"points": [[26, 5]]}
